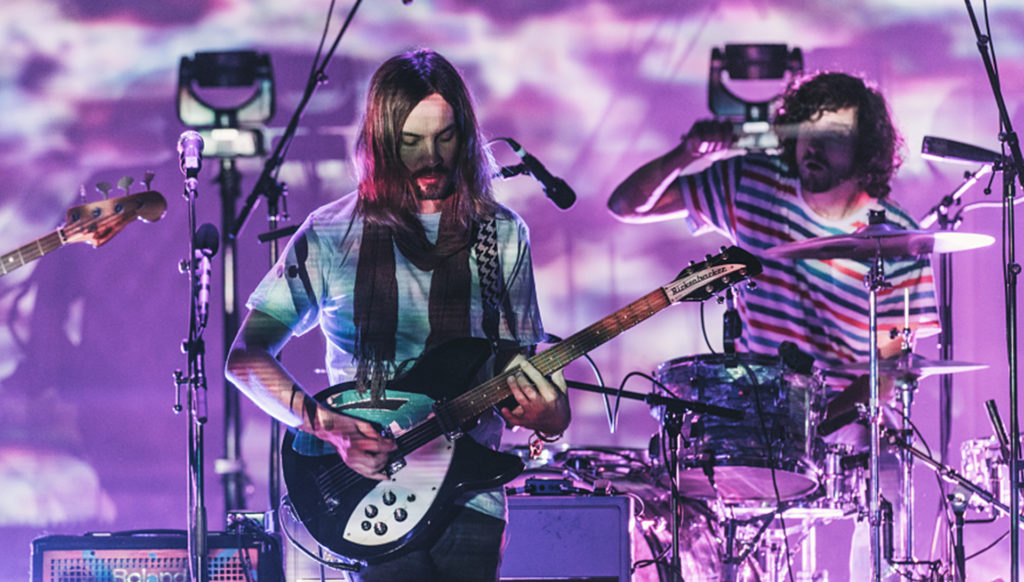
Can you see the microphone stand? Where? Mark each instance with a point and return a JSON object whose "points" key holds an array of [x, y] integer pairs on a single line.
{"points": [[231, 468], [195, 378], [1012, 173], [672, 423], [268, 186], [940, 212]]}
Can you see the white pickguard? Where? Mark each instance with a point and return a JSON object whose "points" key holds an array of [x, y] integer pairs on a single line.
{"points": [[395, 507]]}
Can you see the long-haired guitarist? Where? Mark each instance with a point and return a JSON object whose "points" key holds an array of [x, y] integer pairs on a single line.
{"points": [[421, 253]]}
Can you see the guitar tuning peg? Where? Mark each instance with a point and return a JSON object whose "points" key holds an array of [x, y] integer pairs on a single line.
{"points": [[125, 183], [147, 179], [707, 257], [719, 299], [751, 285], [104, 188]]}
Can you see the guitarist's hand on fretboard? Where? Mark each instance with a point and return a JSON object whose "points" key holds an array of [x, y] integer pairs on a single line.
{"points": [[543, 404], [360, 445]]}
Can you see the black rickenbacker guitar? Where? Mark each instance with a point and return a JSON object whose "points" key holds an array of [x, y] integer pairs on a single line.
{"points": [[371, 521]]}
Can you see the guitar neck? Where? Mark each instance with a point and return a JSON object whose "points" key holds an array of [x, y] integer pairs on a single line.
{"points": [[26, 254], [477, 401]]}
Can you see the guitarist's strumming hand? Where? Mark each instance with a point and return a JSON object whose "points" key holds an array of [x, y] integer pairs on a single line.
{"points": [[543, 403], [253, 367], [358, 443]]}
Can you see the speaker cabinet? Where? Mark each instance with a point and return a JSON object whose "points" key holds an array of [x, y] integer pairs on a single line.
{"points": [[568, 538], [156, 557]]}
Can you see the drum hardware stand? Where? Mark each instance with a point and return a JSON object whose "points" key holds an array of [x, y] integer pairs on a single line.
{"points": [[874, 280], [908, 384], [958, 503], [732, 563], [959, 498], [672, 424]]}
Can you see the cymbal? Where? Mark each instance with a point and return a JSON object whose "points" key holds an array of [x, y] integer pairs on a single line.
{"points": [[912, 365], [880, 240]]}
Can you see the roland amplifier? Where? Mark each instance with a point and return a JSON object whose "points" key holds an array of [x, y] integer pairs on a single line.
{"points": [[156, 557]]}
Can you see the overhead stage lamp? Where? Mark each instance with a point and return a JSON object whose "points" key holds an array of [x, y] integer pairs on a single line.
{"points": [[227, 97], [756, 66]]}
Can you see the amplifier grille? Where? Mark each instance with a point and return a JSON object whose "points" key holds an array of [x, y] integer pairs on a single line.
{"points": [[149, 558]]}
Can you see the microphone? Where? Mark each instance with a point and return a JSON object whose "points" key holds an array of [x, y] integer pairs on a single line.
{"points": [[190, 153], [732, 327], [938, 148], [556, 189], [798, 360], [999, 430], [207, 242]]}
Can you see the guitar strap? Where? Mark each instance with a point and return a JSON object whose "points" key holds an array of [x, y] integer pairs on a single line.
{"points": [[493, 294]]}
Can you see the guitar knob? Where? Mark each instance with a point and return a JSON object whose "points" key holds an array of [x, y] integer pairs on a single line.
{"points": [[389, 497], [401, 514], [371, 511], [411, 498], [380, 528], [366, 525]]}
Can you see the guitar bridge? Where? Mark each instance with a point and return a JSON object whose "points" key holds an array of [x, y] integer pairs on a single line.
{"points": [[395, 464]]}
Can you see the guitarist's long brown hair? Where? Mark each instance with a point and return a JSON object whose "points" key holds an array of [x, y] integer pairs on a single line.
{"points": [[399, 84]]}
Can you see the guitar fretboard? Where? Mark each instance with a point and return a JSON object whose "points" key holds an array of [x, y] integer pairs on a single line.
{"points": [[475, 402], [30, 252]]}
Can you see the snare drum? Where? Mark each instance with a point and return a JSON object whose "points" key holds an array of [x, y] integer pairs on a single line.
{"points": [[771, 449]]}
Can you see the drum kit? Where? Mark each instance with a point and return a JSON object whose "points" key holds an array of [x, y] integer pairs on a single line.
{"points": [[737, 480]]}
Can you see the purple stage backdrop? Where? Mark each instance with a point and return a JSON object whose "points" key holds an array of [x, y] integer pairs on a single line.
{"points": [[91, 337]]}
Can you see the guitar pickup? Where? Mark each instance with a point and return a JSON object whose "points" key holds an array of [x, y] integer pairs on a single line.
{"points": [[396, 460]]}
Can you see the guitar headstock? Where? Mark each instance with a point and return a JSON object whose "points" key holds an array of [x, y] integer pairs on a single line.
{"points": [[98, 222], [700, 281]]}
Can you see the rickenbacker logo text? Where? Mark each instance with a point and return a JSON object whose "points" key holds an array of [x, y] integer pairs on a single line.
{"points": [[680, 288]]}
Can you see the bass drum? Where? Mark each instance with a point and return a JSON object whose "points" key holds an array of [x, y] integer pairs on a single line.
{"points": [[769, 454], [634, 473]]}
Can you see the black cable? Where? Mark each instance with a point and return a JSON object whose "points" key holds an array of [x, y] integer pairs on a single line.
{"points": [[759, 406], [704, 329]]}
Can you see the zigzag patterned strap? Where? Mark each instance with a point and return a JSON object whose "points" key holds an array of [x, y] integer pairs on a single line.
{"points": [[492, 283]]}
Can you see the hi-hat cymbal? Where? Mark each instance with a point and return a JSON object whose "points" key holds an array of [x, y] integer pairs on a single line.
{"points": [[880, 240], [912, 365]]}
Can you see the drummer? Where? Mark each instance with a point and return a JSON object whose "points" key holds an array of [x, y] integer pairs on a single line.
{"points": [[839, 152], [840, 149]]}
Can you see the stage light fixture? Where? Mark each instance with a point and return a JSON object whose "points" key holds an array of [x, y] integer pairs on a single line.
{"points": [[749, 62], [227, 97]]}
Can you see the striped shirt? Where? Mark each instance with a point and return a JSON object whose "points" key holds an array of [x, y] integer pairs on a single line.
{"points": [[821, 305]]}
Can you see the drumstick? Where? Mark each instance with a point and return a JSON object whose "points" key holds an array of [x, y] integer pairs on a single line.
{"points": [[906, 308]]}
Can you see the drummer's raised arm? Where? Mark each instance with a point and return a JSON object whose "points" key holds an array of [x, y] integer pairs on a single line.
{"points": [[653, 192]]}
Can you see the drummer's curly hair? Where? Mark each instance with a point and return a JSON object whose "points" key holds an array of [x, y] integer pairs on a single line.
{"points": [[879, 143]]}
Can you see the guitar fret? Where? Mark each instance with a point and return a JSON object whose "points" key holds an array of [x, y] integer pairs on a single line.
{"points": [[27, 253]]}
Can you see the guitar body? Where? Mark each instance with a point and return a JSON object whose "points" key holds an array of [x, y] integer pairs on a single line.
{"points": [[369, 520]]}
